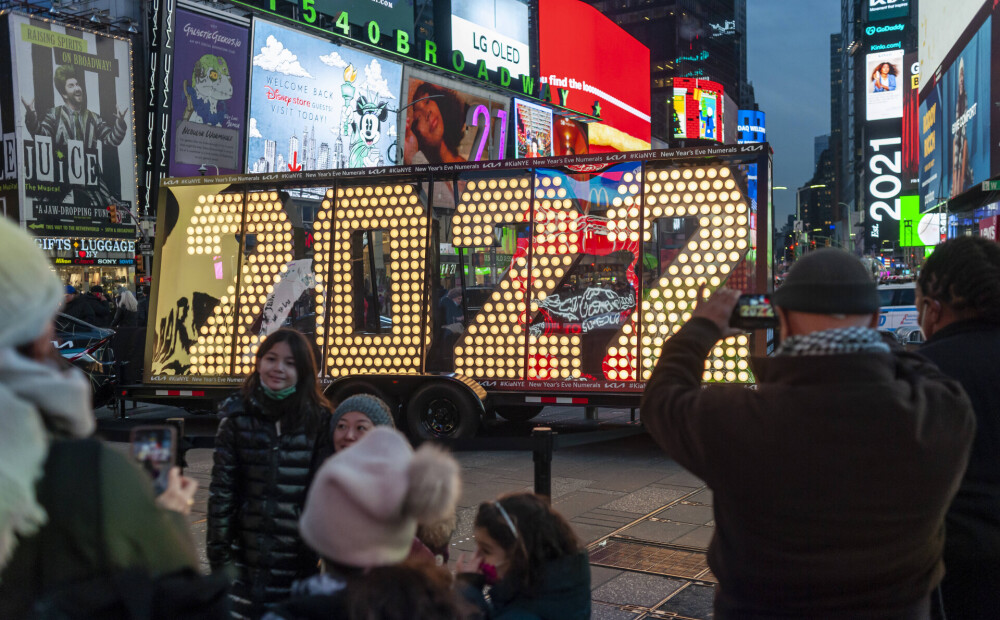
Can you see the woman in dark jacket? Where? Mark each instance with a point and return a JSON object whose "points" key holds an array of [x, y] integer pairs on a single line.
{"points": [[272, 438], [126, 311], [532, 559]]}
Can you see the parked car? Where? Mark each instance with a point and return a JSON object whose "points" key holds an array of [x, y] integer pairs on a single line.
{"points": [[88, 347]]}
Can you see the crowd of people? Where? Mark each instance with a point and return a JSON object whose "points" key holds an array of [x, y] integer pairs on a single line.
{"points": [[856, 481]]}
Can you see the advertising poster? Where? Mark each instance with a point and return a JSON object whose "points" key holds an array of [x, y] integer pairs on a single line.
{"points": [[75, 130], [209, 96], [932, 150], [445, 124], [887, 9], [911, 133], [966, 93], [604, 69], [439, 128], [702, 108], [570, 136], [533, 130], [315, 105], [391, 15], [751, 126], [492, 30], [884, 85], [883, 183]]}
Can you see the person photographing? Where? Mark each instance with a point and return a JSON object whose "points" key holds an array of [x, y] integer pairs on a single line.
{"points": [[831, 479]]}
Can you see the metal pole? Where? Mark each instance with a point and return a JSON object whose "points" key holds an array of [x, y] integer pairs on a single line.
{"points": [[542, 455]]}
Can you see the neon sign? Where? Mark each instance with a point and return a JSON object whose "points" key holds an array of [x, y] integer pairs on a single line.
{"points": [[696, 58], [483, 131]]}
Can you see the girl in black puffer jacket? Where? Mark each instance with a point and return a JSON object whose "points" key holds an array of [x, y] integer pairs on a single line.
{"points": [[272, 438]]}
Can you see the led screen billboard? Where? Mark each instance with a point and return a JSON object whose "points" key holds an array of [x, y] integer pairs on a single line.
{"points": [[532, 130], [751, 126], [887, 9], [495, 31], [315, 105], [209, 95], [74, 129], [570, 136], [884, 85], [448, 122], [698, 109], [941, 24], [955, 123], [595, 61]]}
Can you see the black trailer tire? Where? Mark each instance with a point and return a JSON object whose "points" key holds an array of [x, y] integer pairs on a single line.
{"points": [[442, 410], [518, 413]]}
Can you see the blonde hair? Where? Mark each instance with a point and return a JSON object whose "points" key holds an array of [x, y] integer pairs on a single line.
{"points": [[127, 300]]}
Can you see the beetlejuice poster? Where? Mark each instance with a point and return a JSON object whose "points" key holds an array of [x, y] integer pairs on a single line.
{"points": [[209, 96], [75, 129], [315, 105]]}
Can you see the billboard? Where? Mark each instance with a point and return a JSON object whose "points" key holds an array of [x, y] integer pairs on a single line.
{"points": [[883, 183], [941, 24], [494, 31], [918, 229], [315, 105], [570, 137], [955, 123], [886, 9], [601, 68], [73, 128], [532, 130], [884, 85], [208, 108], [698, 109], [447, 122], [751, 126]]}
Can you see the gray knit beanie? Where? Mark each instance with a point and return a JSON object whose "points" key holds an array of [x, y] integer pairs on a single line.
{"points": [[372, 406], [828, 281]]}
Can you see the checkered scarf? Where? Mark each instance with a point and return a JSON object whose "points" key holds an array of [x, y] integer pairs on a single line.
{"points": [[840, 341]]}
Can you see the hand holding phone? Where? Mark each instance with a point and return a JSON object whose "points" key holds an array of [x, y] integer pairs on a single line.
{"points": [[155, 448], [754, 311]]}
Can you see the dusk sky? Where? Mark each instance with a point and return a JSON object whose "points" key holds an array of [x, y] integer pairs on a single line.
{"points": [[788, 59]]}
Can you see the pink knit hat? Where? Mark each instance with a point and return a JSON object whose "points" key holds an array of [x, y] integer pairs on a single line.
{"points": [[366, 501]]}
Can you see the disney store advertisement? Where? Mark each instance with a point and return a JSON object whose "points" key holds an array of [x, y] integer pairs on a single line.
{"points": [[209, 96], [74, 125], [315, 105]]}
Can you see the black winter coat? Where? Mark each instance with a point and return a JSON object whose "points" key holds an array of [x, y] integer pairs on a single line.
{"points": [[260, 477], [969, 351], [102, 311]]}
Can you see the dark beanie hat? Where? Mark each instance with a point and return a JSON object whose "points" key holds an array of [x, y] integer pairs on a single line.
{"points": [[372, 406], [828, 281]]}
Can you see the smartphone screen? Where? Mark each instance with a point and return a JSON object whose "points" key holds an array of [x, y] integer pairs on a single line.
{"points": [[754, 311], [155, 447]]}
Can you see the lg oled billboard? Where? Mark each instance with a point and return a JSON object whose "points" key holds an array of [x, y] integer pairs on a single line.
{"points": [[495, 31], [601, 67]]}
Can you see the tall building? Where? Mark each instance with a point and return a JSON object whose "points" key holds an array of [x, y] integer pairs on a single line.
{"points": [[836, 137], [820, 144], [687, 38]]}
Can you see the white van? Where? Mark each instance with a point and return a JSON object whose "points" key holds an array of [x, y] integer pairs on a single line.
{"points": [[898, 306]]}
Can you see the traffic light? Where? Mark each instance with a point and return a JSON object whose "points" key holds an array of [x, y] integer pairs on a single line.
{"points": [[113, 215]]}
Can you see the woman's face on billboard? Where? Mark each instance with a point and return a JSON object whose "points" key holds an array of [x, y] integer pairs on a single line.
{"points": [[428, 125]]}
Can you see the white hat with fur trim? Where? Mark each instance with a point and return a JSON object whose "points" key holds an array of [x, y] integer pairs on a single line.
{"points": [[366, 501]]}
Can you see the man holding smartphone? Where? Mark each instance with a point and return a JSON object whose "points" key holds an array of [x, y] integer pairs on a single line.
{"points": [[832, 478]]}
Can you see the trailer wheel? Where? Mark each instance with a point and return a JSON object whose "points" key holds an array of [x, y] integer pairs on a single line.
{"points": [[518, 413], [442, 411]]}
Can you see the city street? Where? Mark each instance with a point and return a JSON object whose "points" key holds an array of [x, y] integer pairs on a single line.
{"points": [[645, 520]]}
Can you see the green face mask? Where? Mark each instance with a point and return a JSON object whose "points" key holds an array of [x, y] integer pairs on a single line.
{"points": [[277, 394]]}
